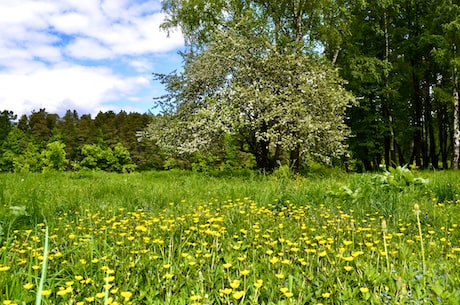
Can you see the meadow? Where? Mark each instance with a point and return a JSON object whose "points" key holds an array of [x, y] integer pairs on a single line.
{"points": [[177, 237]]}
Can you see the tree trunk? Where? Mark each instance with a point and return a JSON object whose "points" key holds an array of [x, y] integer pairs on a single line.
{"points": [[456, 131], [443, 135]]}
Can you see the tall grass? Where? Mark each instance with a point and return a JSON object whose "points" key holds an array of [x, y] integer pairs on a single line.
{"points": [[31, 198], [235, 238]]}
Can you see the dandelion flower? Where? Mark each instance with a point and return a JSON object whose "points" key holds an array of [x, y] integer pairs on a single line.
{"points": [[326, 295], [238, 295], [258, 283], [235, 284], [227, 291], [28, 286], [244, 272], [100, 295], [364, 289], [46, 292], [195, 297], [168, 276], [126, 295]]}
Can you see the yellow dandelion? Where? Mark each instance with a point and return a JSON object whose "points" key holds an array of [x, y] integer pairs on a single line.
{"points": [[279, 276], [326, 295], [348, 258], [238, 295], [28, 286], [226, 291], [284, 289], [126, 295], [89, 299], [244, 272], [258, 283], [235, 284], [46, 292], [62, 292], [195, 297], [100, 295], [168, 276], [364, 289], [348, 268], [227, 265]]}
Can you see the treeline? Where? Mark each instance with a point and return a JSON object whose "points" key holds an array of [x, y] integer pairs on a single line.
{"points": [[399, 58], [45, 141]]}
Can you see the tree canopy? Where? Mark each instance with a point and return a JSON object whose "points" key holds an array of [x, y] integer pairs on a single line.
{"points": [[248, 64], [270, 89]]}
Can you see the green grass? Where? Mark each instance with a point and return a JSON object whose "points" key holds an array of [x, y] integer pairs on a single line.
{"points": [[190, 238]]}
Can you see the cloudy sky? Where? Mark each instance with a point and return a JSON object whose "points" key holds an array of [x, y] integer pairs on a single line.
{"points": [[88, 55]]}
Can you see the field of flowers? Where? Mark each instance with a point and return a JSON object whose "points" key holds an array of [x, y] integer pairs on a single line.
{"points": [[191, 239]]}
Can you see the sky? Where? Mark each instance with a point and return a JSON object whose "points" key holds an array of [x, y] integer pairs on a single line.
{"points": [[84, 55]]}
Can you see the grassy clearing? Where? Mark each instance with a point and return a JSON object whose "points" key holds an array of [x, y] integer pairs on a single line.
{"points": [[188, 238]]}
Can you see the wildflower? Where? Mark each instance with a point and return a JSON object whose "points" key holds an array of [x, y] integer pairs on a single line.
{"points": [[258, 283], [100, 295], [168, 276], [195, 297], [46, 292], [28, 286], [141, 228], [235, 284], [326, 295], [226, 291], [227, 265], [238, 295], [364, 289], [126, 295], [244, 272], [279, 276], [62, 292], [89, 299], [348, 268]]}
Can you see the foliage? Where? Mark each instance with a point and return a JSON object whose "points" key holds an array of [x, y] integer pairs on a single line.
{"points": [[96, 157], [277, 101], [54, 157], [399, 178]]}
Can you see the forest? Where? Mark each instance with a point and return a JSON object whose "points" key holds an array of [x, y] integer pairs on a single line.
{"points": [[355, 84]]}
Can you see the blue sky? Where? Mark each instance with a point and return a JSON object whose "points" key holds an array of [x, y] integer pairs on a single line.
{"points": [[88, 55]]}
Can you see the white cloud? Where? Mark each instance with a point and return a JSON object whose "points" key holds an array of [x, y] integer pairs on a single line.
{"points": [[88, 49], [65, 88], [83, 54]]}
